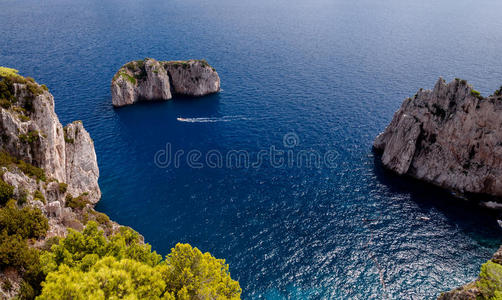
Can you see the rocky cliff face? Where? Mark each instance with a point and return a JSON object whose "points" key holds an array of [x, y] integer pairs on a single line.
{"points": [[50, 167], [153, 80], [449, 136], [31, 131]]}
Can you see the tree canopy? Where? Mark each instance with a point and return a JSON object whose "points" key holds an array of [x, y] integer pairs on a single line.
{"points": [[88, 265]]}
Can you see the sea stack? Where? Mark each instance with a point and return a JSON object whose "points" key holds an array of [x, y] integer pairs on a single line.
{"points": [[450, 136], [149, 79]]}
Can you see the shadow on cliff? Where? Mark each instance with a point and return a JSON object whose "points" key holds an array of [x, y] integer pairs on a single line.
{"points": [[480, 223]]}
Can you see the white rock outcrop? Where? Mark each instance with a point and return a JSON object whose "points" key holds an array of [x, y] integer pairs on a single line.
{"points": [[47, 167], [31, 131], [149, 79], [449, 136]]}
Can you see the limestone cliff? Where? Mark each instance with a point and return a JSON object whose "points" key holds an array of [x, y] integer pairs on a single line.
{"points": [[149, 79], [31, 132], [449, 136], [50, 167]]}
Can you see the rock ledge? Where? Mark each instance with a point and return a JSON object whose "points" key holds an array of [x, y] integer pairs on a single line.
{"points": [[450, 136]]}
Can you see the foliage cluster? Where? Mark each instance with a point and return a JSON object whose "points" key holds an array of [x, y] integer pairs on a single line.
{"points": [[9, 161], [30, 137], [476, 94], [490, 280], [10, 76], [88, 265], [17, 226], [498, 92], [79, 202], [6, 192], [27, 222], [62, 187]]}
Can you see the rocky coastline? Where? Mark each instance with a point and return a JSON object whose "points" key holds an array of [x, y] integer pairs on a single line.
{"points": [[451, 137], [150, 80], [49, 167], [53, 243]]}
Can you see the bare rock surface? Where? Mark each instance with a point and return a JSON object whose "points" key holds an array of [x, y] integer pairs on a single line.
{"points": [[32, 132], [449, 136], [149, 79]]}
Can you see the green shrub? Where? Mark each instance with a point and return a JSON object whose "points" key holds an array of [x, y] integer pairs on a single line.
{"points": [[107, 278], [6, 192], [22, 197], [101, 218], [5, 103], [191, 273], [476, 94], [7, 160], [7, 90], [82, 249], [26, 291], [498, 92], [63, 187], [28, 222], [31, 170], [67, 139], [23, 118], [14, 251], [490, 280], [79, 202], [30, 137], [7, 72], [39, 196], [34, 88], [128, 77], [87, 264]]}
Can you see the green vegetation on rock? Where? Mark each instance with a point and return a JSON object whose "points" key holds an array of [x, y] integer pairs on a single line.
{"points": [[89, 265], [39, 196], [78, 203], [62, 187], [17, 226], [27, 222], [9, 77], [490, 281], [30, 137], [6, 192], [498, 92], [9, 161], [476, 94], [128, 77], [8, 72]]}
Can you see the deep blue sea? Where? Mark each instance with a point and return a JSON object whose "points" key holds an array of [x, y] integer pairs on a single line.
{"points": [[298, 76]]}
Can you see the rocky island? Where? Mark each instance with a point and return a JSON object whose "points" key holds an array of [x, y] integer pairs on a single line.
{"points": [[149, 79], [53, 243], [451, 136]]}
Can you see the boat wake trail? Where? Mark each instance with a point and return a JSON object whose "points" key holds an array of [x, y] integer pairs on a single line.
{"points": [[212, 120]]}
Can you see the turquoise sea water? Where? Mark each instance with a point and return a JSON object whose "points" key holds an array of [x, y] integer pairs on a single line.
{"points": [[320, 76]]}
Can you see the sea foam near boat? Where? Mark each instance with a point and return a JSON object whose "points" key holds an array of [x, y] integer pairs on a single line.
{"points": [[211, 120]]}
